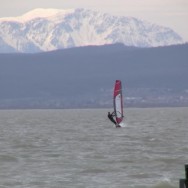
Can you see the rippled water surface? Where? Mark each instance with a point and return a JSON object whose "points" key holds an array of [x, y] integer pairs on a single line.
{"points": [[82, 149]]}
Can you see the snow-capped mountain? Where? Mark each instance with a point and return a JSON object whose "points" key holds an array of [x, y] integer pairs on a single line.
{"points": [[51, 29]]}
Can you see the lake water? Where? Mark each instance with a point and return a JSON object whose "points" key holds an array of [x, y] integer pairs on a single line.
{"points": [[82, 149]]}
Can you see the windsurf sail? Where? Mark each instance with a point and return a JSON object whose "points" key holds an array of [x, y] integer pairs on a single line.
{"points": [[118, 102]]}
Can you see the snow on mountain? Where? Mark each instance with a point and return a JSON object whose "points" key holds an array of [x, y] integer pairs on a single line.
{"points": [[38, 13], [51, 29]]}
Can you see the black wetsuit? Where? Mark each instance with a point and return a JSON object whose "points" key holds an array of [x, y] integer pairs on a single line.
{"points": [[110, 116]]}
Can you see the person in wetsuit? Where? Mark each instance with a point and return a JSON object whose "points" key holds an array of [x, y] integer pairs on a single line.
{"points": [[111, 118]]}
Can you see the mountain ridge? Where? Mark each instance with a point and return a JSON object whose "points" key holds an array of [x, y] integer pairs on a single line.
{"points": [[83, 77], [50, 29]]}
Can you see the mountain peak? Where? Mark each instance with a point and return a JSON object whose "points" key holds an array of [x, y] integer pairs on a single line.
{"points": [[51, 29], [38, 13], [41, 13], [46, 13]]}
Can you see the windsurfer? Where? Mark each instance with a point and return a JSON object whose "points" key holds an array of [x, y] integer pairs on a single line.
{"points": [[111, 118]]}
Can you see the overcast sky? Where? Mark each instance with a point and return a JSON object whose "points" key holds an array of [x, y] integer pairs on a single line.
{"points": [[170, 13]]}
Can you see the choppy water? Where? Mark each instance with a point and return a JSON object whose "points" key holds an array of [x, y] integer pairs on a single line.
{"points": [[82, 149]]}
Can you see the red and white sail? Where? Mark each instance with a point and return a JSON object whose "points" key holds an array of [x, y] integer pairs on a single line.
{"points": [[118, 102]]}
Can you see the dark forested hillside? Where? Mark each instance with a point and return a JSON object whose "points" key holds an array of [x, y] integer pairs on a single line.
{"points": [[84, 77]]}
